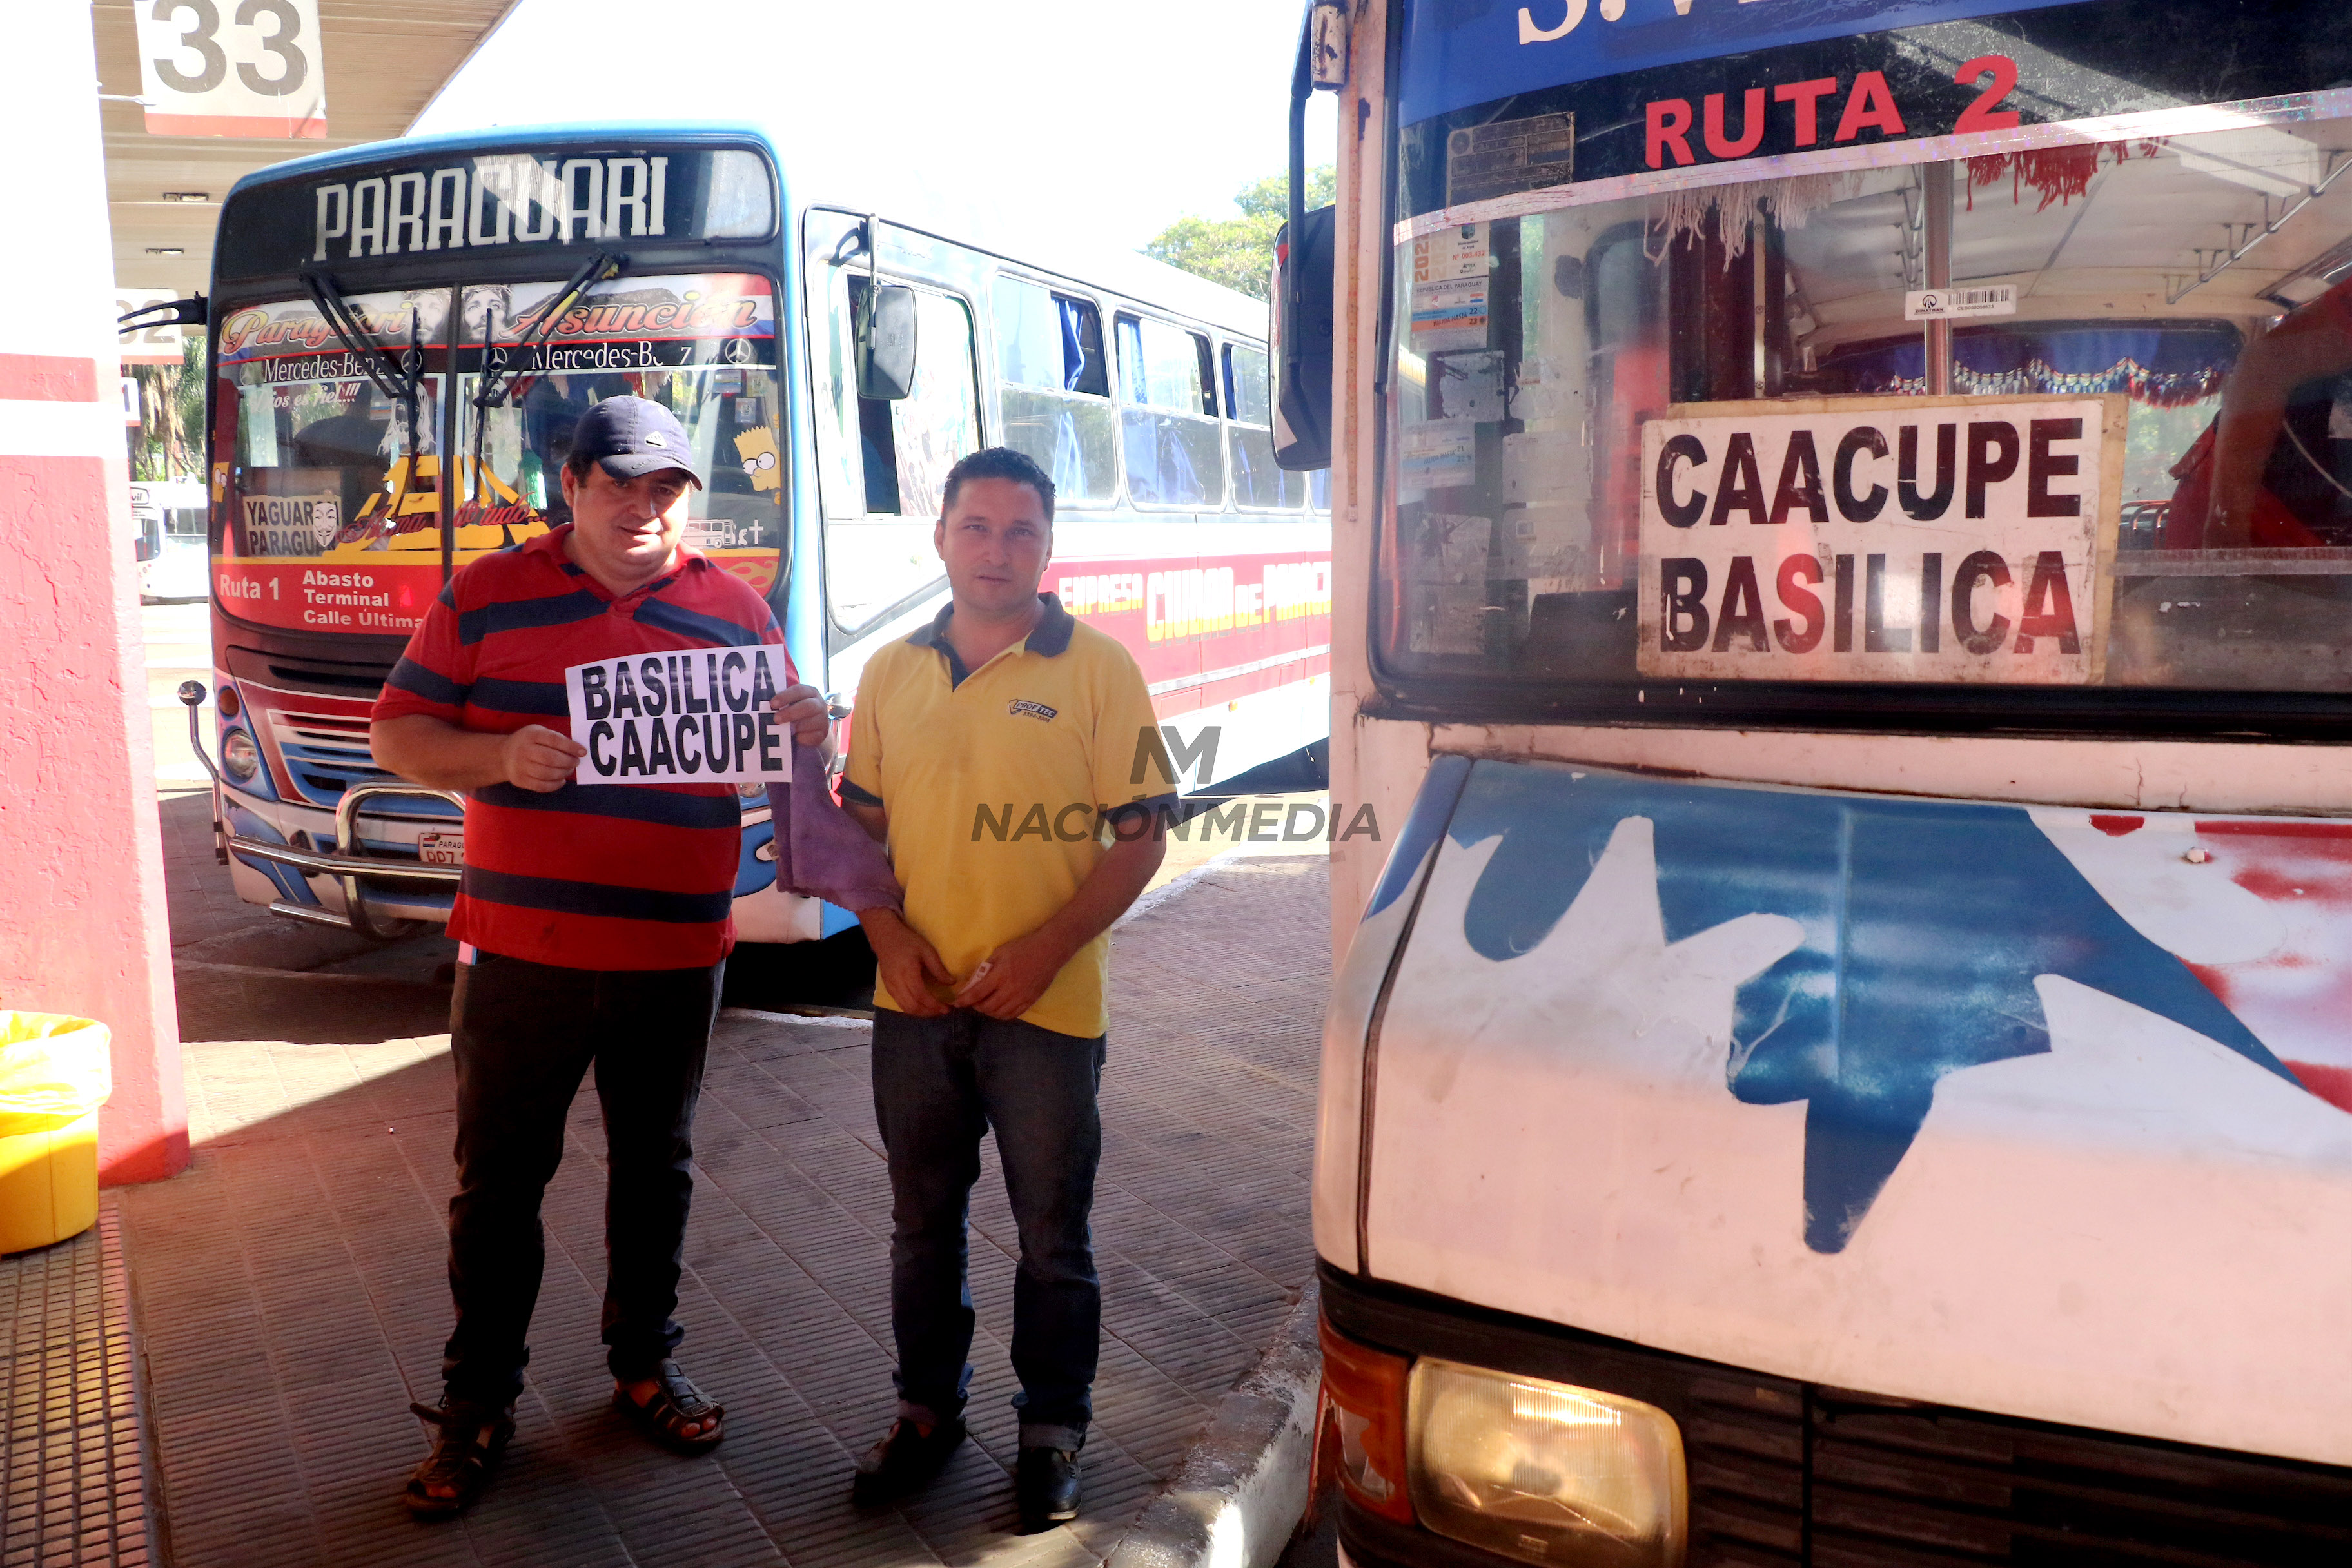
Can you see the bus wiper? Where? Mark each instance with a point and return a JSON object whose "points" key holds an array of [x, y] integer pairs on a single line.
{"points": [[499, 382], [404, 392], [340, 319]]}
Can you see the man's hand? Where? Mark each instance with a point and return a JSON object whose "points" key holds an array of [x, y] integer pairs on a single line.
{"points": [[1009, 984], [909, 965], [805, 709], [537, 758]]}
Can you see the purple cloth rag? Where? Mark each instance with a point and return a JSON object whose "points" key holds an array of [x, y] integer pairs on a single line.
{"points": [[821, 851]]}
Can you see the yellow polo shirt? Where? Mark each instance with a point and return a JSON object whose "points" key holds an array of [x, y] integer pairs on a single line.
{"points": [[1000, 782]]}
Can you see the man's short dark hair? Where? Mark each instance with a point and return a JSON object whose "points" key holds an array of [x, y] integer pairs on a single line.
{"points": [[998, 463]]}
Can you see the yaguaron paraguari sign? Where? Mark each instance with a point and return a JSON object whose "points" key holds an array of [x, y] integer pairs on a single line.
{"points": [[1918, 539]]}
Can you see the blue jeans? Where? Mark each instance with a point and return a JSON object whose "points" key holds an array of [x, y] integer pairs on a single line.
{"points": [[938, 1085]]}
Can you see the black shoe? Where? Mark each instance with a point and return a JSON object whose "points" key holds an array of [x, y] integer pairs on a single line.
{"points": [[903, 1461], [1048, 1484]]}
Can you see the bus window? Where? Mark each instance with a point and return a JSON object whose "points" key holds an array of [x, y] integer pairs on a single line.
{"points": [[1055, 390], [904, 452], [322, 469], [702, 346], [1174, 453], [1697, 435], [1249, 441]]}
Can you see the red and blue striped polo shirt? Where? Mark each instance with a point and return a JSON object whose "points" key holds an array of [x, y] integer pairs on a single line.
{"points": [[591, 876]]}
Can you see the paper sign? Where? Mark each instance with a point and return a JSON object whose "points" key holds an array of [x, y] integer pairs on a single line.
{"points": [[701, 717], [1880, 539], [1449, 290]]}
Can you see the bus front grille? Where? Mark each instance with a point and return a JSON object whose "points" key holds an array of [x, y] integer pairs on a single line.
{"points": [[1896, 1487], [1744, 1449]]}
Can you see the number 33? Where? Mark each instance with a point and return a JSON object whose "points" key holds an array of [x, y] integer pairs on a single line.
{"points": [[200, 40]]}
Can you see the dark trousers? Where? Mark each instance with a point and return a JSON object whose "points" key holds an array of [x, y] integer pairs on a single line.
{"points": [[939, 1084], [522, 1036]]}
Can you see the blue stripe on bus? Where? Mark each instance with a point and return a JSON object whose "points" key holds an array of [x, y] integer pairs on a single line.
{"points": [[544, 696], [560, 896], [1459, 54], [418, 681], [527, 615], [630, 802], [686, 623]]}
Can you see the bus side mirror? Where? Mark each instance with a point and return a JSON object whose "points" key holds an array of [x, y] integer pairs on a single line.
{"points": [[886, 343], [1300, 336]]}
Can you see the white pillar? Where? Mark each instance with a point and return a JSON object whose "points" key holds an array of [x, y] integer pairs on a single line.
{"points": [[82, 926]]}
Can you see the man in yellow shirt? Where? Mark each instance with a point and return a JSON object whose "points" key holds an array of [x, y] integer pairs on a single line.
{"points": [[1007, 755]]}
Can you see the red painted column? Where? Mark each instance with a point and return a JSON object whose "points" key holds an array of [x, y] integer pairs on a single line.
{"points": [[81, 865]]}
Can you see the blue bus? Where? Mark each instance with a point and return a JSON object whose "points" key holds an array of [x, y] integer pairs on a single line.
{"points": [[402, 336], [1845, 579]]}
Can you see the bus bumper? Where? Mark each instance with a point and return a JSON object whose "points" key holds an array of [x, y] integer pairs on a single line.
{"points": [[351, 869], [347, 862]]}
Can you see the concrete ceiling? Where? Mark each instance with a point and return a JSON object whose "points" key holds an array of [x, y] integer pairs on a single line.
{"points": [[385, 61]]}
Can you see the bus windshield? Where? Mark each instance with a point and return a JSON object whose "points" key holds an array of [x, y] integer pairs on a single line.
{"points": [[2078, 415], [333, 519]]}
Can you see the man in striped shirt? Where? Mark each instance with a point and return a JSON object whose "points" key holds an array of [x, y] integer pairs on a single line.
{"points": [[595, 923]]}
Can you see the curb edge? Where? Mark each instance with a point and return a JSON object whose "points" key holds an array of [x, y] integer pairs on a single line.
{"points": [[1236, 1499]]}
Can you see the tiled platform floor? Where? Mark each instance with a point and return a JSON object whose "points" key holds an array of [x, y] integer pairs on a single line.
{"points": [[70, 1443], [292, 1294]]}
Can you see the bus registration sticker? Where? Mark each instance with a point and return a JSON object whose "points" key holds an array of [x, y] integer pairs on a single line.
{"points": [[1916, 538]]}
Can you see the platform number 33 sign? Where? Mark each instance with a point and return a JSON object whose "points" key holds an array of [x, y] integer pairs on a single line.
{"points": [[232, 68]]}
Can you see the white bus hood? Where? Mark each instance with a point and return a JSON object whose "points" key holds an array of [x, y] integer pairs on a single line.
{"points": [[2034, 1111]]}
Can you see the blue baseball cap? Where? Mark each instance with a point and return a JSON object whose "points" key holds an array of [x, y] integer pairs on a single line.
{"points": [[628, 436]]}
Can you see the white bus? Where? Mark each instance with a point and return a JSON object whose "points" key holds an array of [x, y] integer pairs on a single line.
{"points": [[1843, 539]]}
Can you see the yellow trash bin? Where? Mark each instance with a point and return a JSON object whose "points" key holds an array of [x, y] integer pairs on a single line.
{"points": [[54, 1075]]}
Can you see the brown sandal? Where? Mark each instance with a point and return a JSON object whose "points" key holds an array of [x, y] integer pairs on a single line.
{"points": [[465, 1452], [676, 1404]]}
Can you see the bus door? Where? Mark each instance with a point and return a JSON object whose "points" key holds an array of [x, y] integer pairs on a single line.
{"points": [[882, 463]]}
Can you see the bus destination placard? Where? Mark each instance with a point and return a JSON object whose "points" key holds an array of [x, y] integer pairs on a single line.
{"points": [[1916, 538], [503, 200]]}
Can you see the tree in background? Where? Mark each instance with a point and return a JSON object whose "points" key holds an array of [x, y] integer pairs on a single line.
{"points": [[171, 412], [1238, 252]]}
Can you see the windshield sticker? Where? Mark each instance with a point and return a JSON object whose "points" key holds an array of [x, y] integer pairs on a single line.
{"points": [[1880, 539], [291, 525]]}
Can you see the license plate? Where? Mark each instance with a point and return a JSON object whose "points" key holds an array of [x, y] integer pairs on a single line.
{"points": [[441, 849]]}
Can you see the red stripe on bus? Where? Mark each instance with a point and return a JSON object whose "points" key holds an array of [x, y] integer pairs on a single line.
{"points": [[49, 378], [1233, 688]]}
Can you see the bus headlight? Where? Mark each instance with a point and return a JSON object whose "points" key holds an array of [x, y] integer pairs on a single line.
{"points": [[240, 758], [1545, 1472]]}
